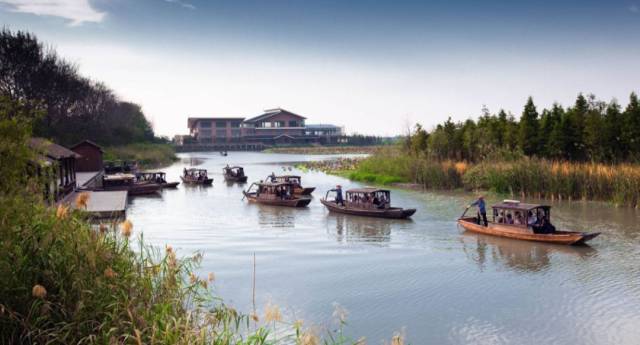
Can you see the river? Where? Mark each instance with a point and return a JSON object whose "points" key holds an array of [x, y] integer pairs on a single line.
{"points": [[425, 275]]}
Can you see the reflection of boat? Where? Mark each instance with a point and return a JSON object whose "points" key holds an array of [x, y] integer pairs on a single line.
{"points": [[196, 176], [511, 219], [360, 229], [234, 174], [519, 255], [275, 194], [156, 177], [293, 179], [368, 202]]}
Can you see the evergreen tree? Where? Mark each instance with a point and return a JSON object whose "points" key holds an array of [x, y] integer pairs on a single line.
{"points": [[574, 128], [528, 137], [631, 132], [555, 143], [615, 146]]}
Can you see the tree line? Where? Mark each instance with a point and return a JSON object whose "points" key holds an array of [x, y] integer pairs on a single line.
{"points": [[72, 107], [590, 130]]}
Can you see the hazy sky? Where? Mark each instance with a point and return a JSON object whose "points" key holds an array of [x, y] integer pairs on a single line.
{"points": [[372, 66]]}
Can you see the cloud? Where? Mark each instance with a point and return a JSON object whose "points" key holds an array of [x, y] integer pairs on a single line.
{"points": [[76, 11], [182, 3], [634, 8]]}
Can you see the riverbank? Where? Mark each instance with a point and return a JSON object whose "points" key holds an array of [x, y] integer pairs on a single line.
{"points": [[325, 150], [146, 154], [519, 178]]}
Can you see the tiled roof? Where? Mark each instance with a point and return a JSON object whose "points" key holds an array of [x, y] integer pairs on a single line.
{"points": [[50, 149], [272, 112]]}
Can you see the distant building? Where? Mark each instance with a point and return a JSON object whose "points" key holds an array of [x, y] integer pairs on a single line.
{"points": [[273, 127], [91, 156], [322, 130]]}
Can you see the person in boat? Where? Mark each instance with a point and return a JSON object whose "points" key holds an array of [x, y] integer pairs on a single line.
{"points": [[272, 177], [482, 209], [509, 219], [533, 220], [339, 200], [501, 218], [518, 219]]}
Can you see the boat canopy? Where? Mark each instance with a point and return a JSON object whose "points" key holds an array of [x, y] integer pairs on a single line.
{"points": [[516, 205], [367, 190], [196, 170]]}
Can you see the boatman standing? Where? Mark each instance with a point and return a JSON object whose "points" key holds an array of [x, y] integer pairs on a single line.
{"points": [[339, 199], [482, 209]]}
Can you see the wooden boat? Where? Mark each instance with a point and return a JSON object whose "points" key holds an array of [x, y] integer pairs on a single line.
{"points": [[196, 177], [234, 174], [128, 183], [275, 194], [368, 202], [295, 180], [156, 177], [530, 222]]}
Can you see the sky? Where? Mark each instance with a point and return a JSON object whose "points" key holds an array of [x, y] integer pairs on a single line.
{"points": [[374, 67]]}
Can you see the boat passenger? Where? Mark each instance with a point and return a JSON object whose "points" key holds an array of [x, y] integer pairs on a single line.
{"points": [[509, 218], [518, 219], [501, 218], [532, 219], [481, 209]]}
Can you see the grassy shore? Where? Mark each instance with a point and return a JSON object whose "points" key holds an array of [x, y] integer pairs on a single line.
{"points": [[325, 150], [146, 154], [522, 177]]}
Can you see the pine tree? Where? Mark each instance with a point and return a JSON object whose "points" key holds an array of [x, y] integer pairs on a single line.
{"points": [[528, 138], [574, 128], [556, 143], [631, 132], [615, 147]]}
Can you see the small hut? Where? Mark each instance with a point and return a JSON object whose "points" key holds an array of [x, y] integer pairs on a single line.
{"points": [[91, 159]]}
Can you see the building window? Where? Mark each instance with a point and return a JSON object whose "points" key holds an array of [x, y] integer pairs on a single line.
{"points": [[235, 124], [221, 133], [293, 123], [278, 124], [265, 124], [221, 124], [205, 124]]}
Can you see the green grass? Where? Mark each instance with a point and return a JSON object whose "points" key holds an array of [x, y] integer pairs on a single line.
{"points": [[146, 154], [522, 178]]}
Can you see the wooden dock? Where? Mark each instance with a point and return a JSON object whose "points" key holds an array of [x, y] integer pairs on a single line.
{"points": [[103, 205]]}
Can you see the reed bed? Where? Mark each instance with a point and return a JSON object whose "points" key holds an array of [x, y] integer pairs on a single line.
{"points": [[146, 154], [325, 150], [523, 177]]}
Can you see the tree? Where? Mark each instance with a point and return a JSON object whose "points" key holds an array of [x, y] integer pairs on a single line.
{"points": [[615, 146], [631, 130], [528, 137]]}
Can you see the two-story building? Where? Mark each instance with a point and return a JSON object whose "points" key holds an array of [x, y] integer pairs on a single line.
{"points": [[273, 127]]}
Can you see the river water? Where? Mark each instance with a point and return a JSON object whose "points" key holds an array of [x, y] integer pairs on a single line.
{"points": [[425, 275]]}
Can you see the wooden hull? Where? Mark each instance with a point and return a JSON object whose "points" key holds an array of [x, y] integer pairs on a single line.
{"points": [[519, 233], [170, 185], [205, 182], [141, 189], [304, 191], [390, 213], [239, 179], [295, 202]]}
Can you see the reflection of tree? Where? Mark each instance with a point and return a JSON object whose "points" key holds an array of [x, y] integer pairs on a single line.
{"points": [[517, 255], [360, 229]]}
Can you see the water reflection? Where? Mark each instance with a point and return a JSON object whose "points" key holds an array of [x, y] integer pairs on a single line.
{"points": [[347, 229], [278, 217], [192, 161], [519, 256]]}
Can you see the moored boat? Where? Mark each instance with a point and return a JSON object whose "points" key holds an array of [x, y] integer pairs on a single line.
{"points": [[522, 221], [298, 189], [234, 174], [120, 181], [275, 194], [368, 202], [195, 176], [156, 177]]}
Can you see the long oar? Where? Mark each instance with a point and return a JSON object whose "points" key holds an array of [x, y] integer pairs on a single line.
{"points": [[465, 212]]}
